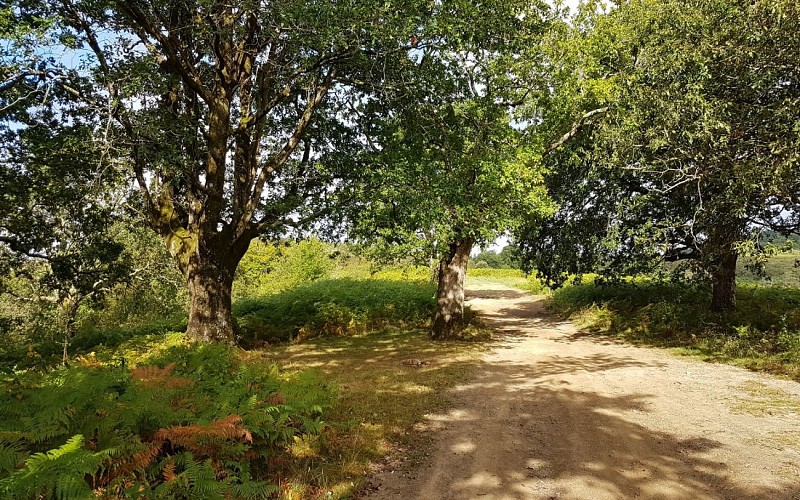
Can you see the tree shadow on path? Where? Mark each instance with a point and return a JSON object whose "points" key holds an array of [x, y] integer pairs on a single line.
{"points": [[564, 442], [526, 427]]}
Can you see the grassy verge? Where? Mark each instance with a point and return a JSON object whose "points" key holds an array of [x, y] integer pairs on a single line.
{"points": [[762, 334], [334, 308], [509, 277], [386, 382], [301, 419]]}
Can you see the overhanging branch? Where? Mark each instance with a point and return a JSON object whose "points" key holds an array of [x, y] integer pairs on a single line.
{"points": [[576, 127]]}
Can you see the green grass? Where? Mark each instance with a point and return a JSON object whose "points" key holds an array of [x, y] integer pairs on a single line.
{"points": [[334, 307], [387, 380], [781, 270], [763, 333], [509, 277]]}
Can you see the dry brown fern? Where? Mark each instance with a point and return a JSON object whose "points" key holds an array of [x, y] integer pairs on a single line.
{"points": [[204, 441], [156, 377], [169, 471], [125, 466]]}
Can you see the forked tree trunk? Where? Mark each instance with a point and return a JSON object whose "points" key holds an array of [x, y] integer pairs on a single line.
{"points": [[723, 291], [449, 316]]}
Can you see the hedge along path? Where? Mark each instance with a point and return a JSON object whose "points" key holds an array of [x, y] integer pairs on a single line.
{"points": [[558, 414]]}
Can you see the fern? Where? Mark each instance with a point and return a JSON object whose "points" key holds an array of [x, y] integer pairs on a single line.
{"points": [[56, 472], [201, 478], [12, 453], [253, 489], [187, 425]]}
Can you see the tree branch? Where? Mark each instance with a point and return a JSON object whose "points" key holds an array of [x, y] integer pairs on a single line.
{"points": [[576, 127]]}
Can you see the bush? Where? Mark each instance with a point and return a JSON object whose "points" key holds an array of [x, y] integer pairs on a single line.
{"points": [[270, 268], [192, 421], [334, 307], [763, 332]]}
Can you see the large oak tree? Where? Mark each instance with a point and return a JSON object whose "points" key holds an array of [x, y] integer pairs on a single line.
{"points": [[448, 169], [698, 150], [231, 115]]}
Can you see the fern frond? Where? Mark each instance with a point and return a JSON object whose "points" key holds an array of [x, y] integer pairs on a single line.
{"points": [[12, 453], [128, 459], [59, 472], [156, 377], [169, 471], [253, 490], [205, 440]]}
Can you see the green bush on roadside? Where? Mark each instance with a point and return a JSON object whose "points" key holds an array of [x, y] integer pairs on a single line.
{"points": [[334, 307], [762, 333]]}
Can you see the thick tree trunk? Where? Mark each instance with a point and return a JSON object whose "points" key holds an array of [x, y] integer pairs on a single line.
{"points": [[210, 315], [450, 292], [209, 272], [723, 291]]}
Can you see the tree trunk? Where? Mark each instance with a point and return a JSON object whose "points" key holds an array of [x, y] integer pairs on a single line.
{"points": [[210, 314], [723, 291], [209, 269], [450, 292]]}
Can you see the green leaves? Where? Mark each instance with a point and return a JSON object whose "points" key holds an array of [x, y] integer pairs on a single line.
{"points": [[59, 471], [683, 165], [446, 162], [193, 422]]}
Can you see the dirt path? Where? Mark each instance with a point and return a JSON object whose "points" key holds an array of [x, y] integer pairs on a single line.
{"points": [[555, 414]]}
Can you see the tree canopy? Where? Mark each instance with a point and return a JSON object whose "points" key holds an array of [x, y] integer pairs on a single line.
{"points": [[697, 153], [448, 168]]}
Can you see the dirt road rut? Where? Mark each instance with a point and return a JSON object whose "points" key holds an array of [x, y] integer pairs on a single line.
{"points": [[556, 414]]}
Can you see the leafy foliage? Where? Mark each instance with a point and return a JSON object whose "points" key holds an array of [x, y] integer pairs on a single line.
{"points": [[446, 165], [269, 268], [195, 420], [508, 258], [334, 307]]}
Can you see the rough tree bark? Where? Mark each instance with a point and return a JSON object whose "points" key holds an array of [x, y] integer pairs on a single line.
{"points": [[449, 315], [208, 260], [722, 254], [723, 291], [210, 314]]}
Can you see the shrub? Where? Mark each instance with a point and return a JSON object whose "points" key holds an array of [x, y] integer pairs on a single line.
{"points": [[193, 421], [271, 268], [763, 332], [334, 307]]}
